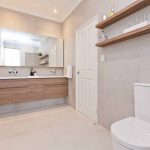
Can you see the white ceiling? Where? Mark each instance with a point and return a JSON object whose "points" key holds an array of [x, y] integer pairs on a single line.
{"points": [[43, 8]]}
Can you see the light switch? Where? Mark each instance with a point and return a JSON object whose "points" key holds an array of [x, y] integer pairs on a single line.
{"points": [[102, 58]]}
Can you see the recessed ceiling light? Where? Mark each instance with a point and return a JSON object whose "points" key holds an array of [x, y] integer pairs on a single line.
{"points": [[55, 11]]}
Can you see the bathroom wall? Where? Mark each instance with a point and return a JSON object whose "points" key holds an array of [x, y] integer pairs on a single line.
{"points": [[27, 23], [125, 63], [14, 20], [18, 21], [85, 11], [25, 71]]}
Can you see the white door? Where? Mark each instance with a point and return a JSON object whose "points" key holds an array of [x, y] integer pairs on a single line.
{"points": [[86, 69]]}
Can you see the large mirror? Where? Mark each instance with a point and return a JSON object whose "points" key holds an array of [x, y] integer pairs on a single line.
{"points": [[26, 49]]}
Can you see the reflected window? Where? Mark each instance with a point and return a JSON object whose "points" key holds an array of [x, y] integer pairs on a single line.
{"points": [[12, 57]]}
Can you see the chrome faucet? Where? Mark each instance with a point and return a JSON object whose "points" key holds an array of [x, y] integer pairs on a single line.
{"points": [[13, 70]]}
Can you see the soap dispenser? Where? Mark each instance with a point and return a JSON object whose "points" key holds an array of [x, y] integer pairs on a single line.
{"points": [[112, 12]]}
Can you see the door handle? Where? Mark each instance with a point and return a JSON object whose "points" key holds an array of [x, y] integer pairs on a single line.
{"points": [[78, 72]]}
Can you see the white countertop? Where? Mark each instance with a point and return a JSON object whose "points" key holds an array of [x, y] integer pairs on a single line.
{"points": [[32, 77]]}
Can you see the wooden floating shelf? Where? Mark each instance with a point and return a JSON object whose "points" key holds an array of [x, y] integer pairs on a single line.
{"points": [[44, 63], [42, 57], [125, 36], [134, 7]]}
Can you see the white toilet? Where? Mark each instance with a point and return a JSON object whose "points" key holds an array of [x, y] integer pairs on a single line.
{"points": [[134, 133]]}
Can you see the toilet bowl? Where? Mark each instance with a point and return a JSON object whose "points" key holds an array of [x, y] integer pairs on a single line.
{"points": [[133, 133]]}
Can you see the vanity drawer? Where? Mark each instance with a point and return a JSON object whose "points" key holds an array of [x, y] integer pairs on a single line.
{"points": [[33, 82], [55, 91], [56, 81], [25, 90], [35, 92], [13, 95], [13, 83]]}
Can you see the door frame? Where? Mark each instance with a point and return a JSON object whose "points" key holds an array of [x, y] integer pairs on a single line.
{"points": [[96, 18]]}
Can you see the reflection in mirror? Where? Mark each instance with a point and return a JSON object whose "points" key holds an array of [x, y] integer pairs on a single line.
{"points": [[26, 49]]}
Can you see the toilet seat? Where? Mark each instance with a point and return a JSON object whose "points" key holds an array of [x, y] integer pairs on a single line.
{"points": [[132, 133]]}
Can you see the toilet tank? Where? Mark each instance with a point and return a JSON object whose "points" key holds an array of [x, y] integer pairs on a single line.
{"points": [[142, 101]]}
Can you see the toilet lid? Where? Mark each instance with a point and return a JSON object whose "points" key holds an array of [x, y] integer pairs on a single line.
{"points": [[132, 133]]}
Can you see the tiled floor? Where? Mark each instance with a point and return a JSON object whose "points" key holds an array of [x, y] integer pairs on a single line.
{"points": [[55, 129]]}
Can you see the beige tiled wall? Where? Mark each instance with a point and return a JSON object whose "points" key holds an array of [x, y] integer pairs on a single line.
{"points": [[125, 63], [25, 71], [27, 23]]}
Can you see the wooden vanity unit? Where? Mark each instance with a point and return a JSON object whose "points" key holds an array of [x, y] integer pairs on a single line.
{"points": [[32, 89]]}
